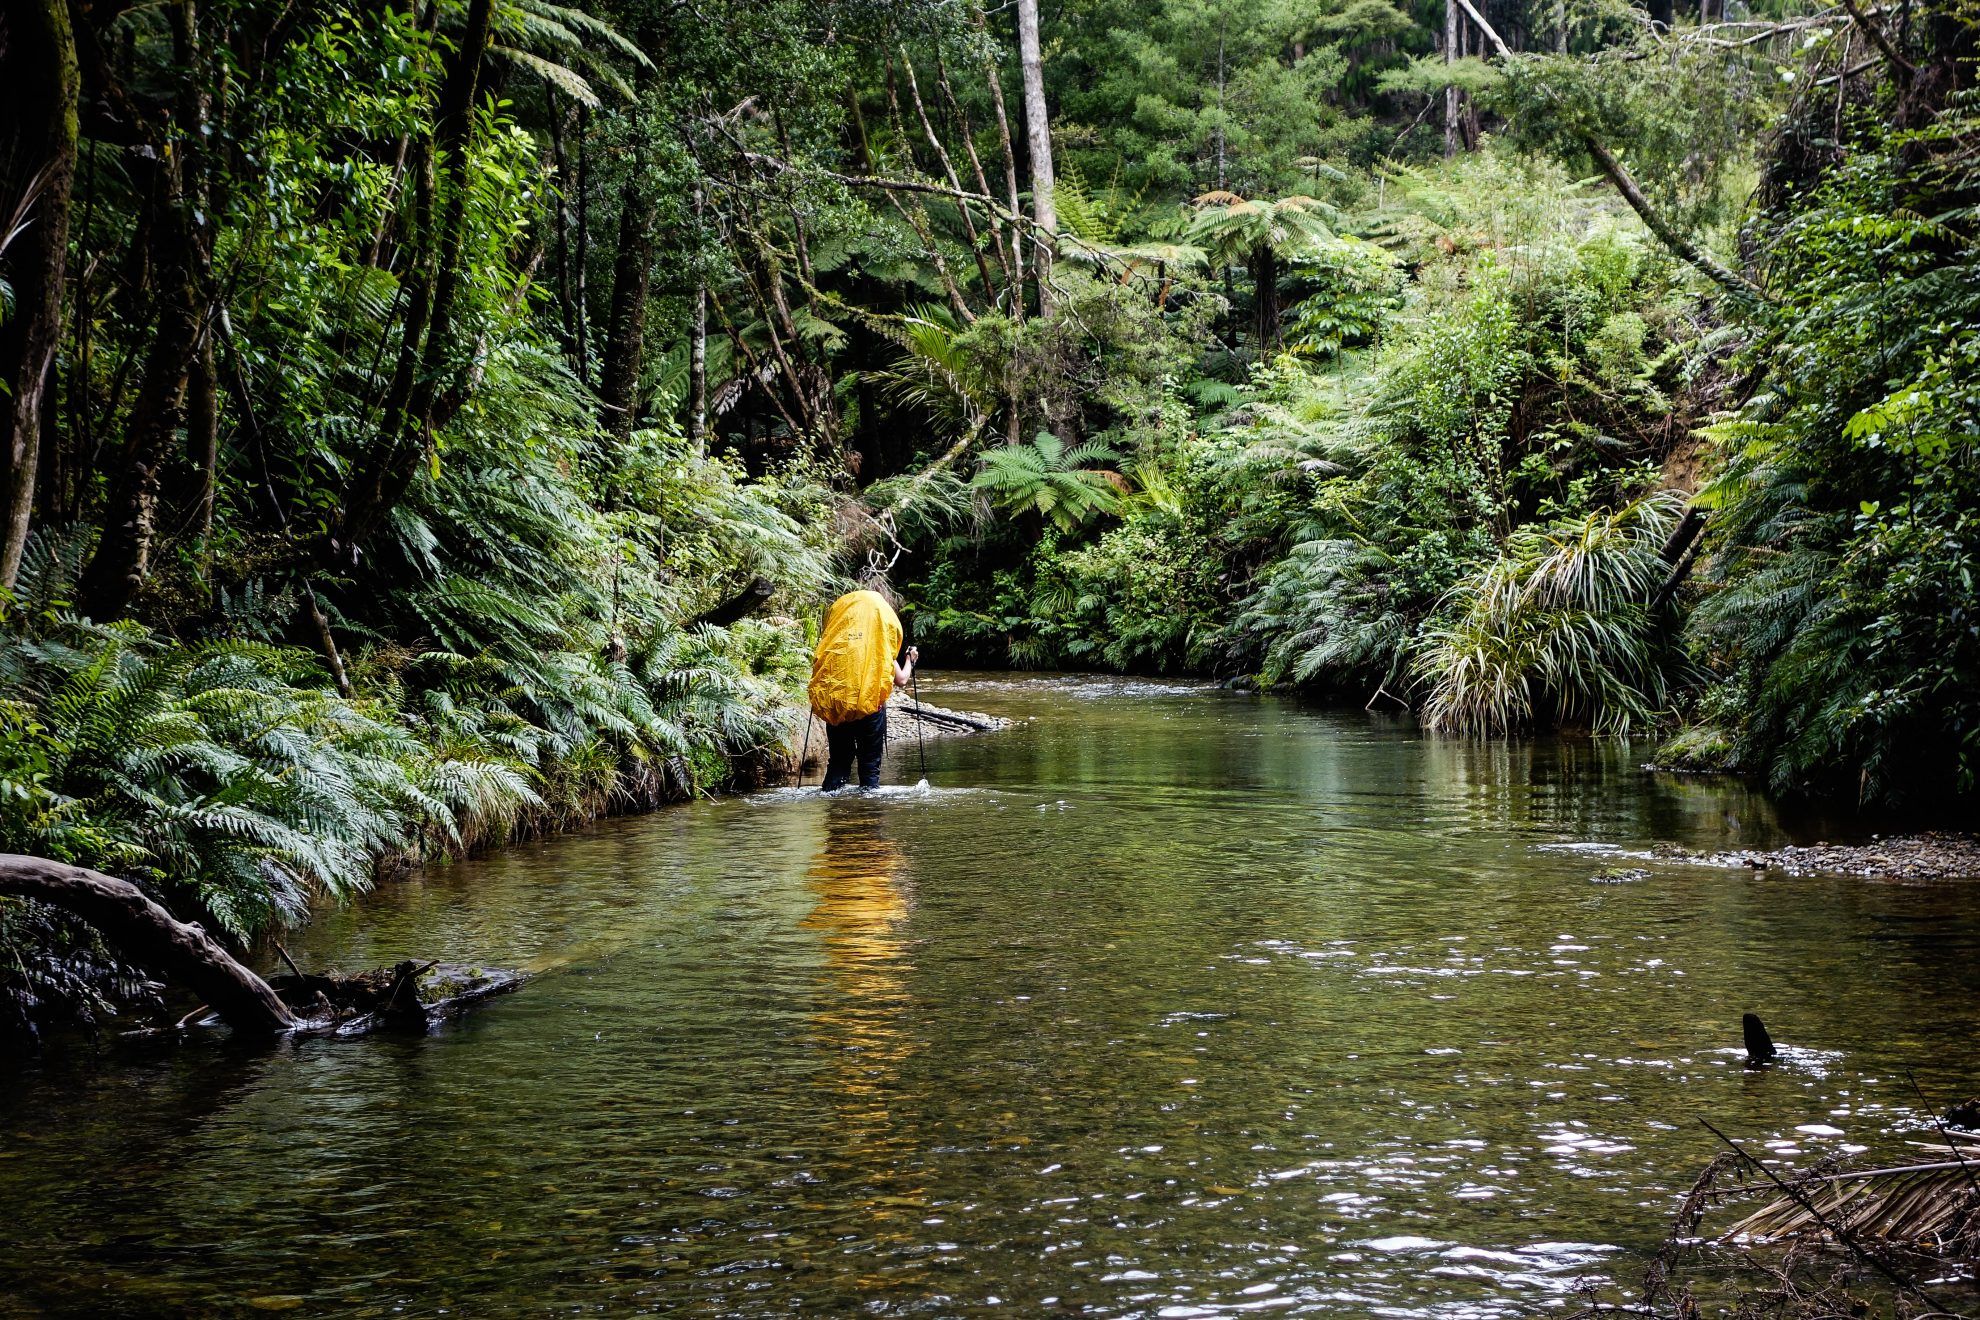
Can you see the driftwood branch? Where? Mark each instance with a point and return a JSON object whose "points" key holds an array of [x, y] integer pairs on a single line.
{"points": [[1835, 1231], [949, 719], [1681, 553], [921, 479], [994, 77], [150, 936], [886, 183], [917, 218], [948, 171], [1719, 273]]}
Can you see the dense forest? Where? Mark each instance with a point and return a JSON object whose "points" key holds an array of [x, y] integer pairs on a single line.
{"points": [[432, 422]]}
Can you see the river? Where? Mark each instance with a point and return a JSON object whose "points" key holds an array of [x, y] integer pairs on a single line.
{"points": [[1167, 1002]]}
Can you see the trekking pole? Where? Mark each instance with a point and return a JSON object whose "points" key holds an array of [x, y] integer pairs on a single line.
{"points": [[805, 755], [914, 686]]}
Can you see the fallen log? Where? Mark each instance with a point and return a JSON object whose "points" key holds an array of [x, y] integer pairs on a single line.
{"points": [[904, 718], [153, 938], [410, 995], [737, 607], [937, 716]]}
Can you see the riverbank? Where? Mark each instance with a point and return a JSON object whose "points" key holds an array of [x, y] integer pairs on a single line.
{"points": [[1926, 856], [59, 972]]}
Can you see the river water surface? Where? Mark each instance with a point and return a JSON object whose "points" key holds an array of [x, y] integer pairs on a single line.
{"points": [[1167, 1002]]}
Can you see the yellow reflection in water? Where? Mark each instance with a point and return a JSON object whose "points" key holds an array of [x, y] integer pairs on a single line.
{"points": [[865, 1020], [858, 876]]}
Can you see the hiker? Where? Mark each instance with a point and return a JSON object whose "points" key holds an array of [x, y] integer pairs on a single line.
{"points": [[852, 675]]}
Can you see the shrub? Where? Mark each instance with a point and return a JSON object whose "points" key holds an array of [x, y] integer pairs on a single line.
{"points": [[1557, 629]]}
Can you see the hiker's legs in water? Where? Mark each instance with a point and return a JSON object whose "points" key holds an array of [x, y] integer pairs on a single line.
{"points": [[841, 743], [872, 743], [861, 740]]}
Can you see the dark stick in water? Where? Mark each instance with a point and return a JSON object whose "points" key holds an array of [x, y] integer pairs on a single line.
{"points": [[1759, 1045]]}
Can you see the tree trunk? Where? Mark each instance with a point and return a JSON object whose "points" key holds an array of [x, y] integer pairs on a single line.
{"points": [[994, 77], [582, 275], [182, 261], [153, 938], [1674, 239], [1230, 308], [1223, 173], [41, 106], [1265, 298], [916, 215], [326, 641], [434, 279], [1450, 92], [561, 212], [698, 342], [203, 443], [130, 509], [455, 138], [737, 607], [1038, 141], [997, 226], [949, 174], [625, 341]]}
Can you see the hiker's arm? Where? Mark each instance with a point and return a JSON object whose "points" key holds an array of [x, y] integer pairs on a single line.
{"points": [[905, 668]]}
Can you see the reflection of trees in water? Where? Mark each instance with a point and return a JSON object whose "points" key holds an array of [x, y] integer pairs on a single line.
{"points": [[1595, 788], [1379, 769]]}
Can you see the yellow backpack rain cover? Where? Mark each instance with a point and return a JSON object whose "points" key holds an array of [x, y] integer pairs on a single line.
{"points": [[852, 673]]}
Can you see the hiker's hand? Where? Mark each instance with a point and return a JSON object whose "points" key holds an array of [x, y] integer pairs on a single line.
{"points": [[914, 654]]}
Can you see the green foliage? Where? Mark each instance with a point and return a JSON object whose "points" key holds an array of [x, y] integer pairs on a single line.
{"points": [[1052, 480], [1325, 614], [954, 376], [1190, 95], [1349, 292], [1095, 215], [1556, 630], [1428, 75], [211, 772], [1844, 615], [1231, 227], [1686, 112], [225, 775], [1140, 599]]}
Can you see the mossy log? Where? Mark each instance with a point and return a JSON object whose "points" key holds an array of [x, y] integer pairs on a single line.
{"points": [[408, 995], [153, 938]]}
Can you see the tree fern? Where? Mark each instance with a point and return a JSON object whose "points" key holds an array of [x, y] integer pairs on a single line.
{"points": [[1052, 480]]}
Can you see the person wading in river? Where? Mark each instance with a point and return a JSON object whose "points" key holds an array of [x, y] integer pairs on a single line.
{"points": [[852, 675]]}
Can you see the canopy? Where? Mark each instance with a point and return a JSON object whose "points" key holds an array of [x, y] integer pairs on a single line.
{"points": [[852, 673]]}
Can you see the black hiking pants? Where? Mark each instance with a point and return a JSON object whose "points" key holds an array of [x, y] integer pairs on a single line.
{"points": [[864, 738]]}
